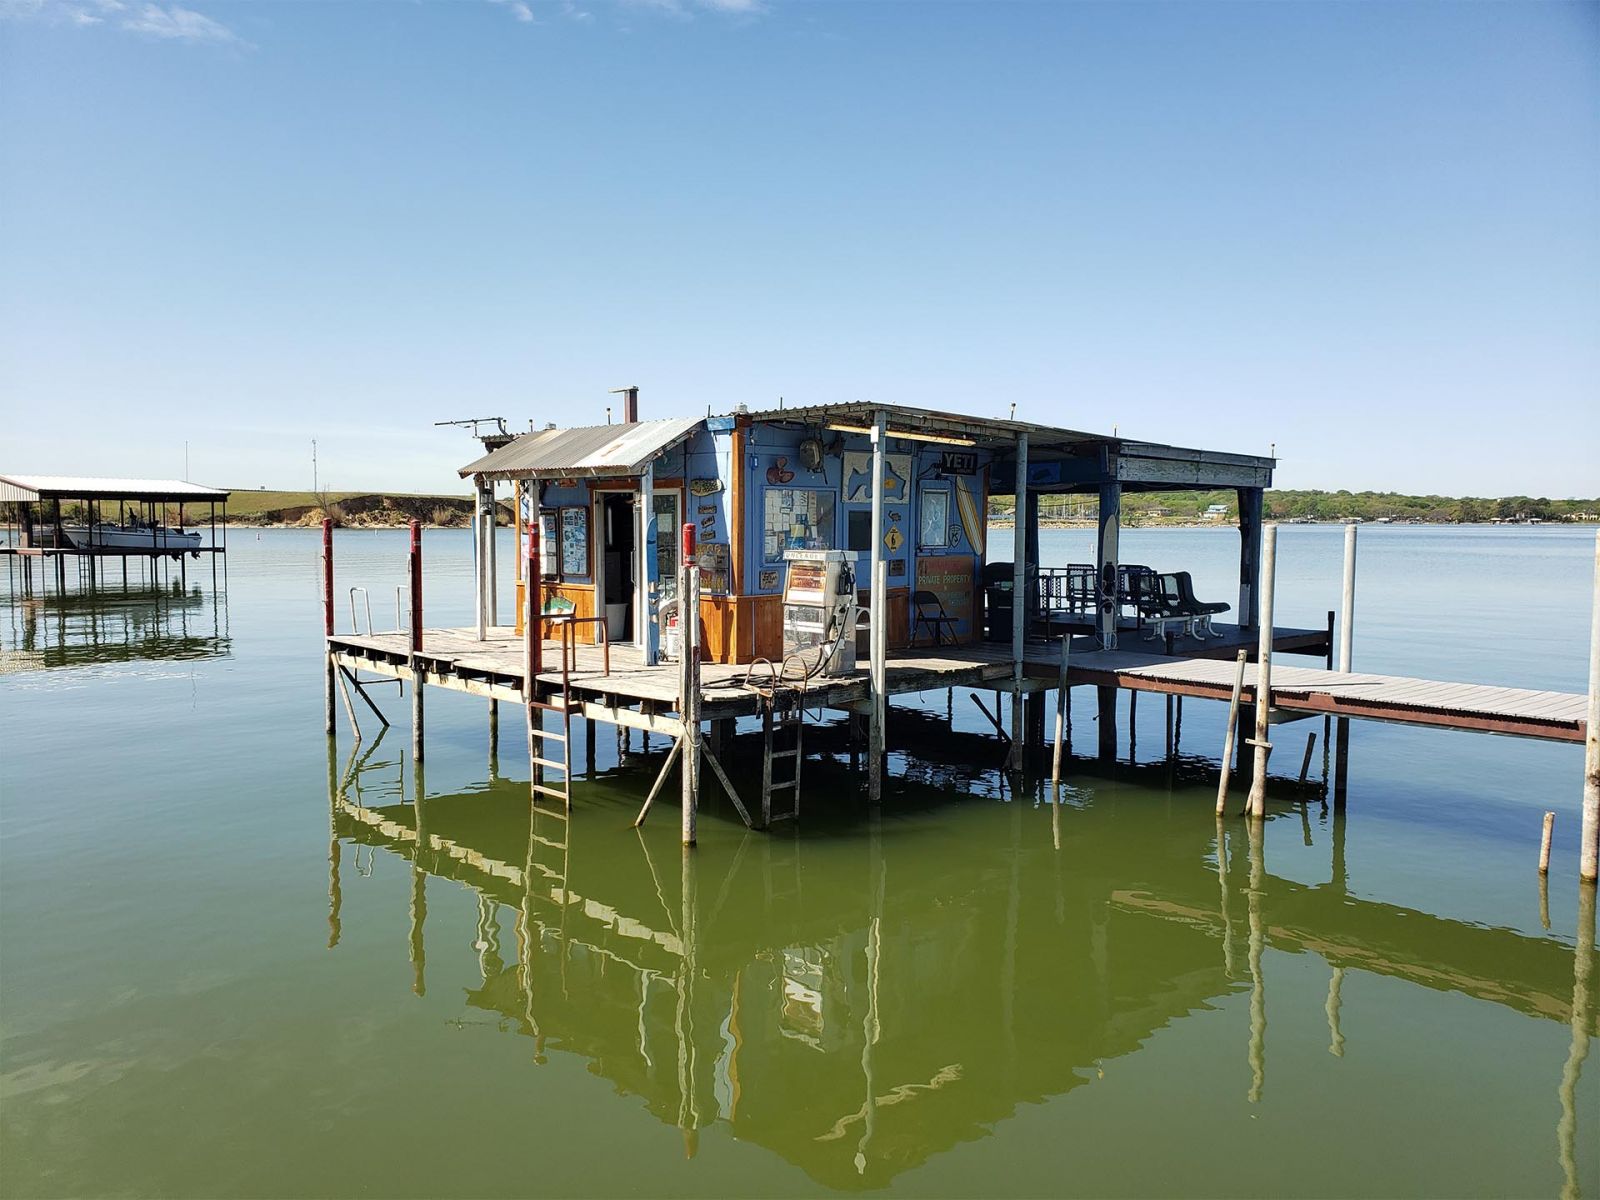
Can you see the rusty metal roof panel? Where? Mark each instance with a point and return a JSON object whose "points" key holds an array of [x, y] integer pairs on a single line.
{"points": [[588, 451], [30, 488]]}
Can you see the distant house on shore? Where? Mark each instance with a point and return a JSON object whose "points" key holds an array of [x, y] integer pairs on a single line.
{"points": [[1215, 512]]}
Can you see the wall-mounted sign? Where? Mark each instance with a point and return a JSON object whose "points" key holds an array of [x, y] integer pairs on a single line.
{"points": [[714, 568], [951, 578], [858, 475], [894, 539], [958, 462], [705, 487], [766, 579]]}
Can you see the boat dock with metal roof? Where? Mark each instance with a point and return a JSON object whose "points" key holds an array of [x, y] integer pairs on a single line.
{"points": [[620, 526]]}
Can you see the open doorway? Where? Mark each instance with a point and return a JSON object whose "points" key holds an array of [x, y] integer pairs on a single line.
{"points": [[618, 564]]}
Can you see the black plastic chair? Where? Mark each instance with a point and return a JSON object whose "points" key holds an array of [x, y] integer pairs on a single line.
{"points": [[928, 613], [1201, 610]]}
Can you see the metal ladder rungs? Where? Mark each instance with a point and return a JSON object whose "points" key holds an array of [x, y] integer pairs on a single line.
{"points": [[548, 733], [551, 762], [550, 791]]}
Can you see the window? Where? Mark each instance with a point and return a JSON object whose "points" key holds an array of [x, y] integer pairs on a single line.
{"points": [[859, 535], [664, 505], [935, 527], [796, 519]]}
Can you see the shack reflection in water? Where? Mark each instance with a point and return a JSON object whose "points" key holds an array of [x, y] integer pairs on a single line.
{"points": [[858, 1031]]}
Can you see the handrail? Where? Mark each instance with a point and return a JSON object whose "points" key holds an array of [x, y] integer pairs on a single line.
{"points": [[355, 625], [566, 624]]}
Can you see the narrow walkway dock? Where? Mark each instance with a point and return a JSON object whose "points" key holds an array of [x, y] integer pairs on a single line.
{"points": [[1520, 712]]}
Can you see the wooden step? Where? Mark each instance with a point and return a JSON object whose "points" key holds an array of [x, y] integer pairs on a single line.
{"points": [[550, 791], [550, 762], [548, 733]]}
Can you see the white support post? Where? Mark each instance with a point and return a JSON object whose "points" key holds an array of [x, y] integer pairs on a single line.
{"points": [[644, 618], [1258, 782], [878, 615], [1347, 613], [480, 561], [1108, 557], [1019, 595], [491, 522], [1589, 853]]}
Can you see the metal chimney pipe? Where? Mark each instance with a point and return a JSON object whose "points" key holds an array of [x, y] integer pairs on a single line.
{"points": [[630, 403]]}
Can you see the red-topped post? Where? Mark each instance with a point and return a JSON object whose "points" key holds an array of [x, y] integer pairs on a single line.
{"points": [[416, 585]]}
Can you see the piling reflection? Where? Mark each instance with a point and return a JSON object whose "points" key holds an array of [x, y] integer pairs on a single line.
{"points": [[861, 1018], [112, 623]]}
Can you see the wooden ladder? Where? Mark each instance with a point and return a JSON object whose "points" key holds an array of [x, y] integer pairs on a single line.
{"points": [[776, 725], [541, 751]]}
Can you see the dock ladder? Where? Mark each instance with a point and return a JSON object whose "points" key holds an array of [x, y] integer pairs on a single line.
{"points": [[782, 724], [542, 748]]}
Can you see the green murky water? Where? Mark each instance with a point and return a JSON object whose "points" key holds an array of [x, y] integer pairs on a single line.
{"points": [[229, 965]]}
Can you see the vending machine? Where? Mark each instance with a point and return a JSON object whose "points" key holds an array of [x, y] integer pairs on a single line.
{"points": [[820, 610]]}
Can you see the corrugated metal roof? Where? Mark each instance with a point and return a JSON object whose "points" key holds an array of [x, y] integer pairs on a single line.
{"points": [[593, 450], [982, 430], [92, 487]]}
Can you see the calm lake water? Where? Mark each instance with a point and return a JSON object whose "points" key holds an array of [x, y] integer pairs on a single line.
{"points": [[226, 969]]}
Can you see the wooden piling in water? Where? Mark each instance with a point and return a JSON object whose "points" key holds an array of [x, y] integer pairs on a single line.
{"points": [[689, 682], [1347, 631], [1305, 763], [1589, 854], [1063, 699], [415, 567], [1263, 747], [1106, 698], [1544, 843], [327, 622], [1228, 737]]}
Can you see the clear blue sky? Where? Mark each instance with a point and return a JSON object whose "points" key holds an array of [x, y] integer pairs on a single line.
{"points": [[1369, 233]]}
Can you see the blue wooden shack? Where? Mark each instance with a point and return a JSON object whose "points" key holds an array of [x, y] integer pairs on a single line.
{"points": [[758, 483]]}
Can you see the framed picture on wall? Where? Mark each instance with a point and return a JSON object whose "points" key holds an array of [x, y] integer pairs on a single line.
{"points": [[934, 522], [549, 542]]}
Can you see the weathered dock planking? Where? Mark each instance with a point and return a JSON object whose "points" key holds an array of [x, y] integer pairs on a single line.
{"points": [[494, 668], [1520, 712]]}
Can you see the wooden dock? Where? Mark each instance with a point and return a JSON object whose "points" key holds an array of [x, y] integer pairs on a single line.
{"points": [[1552, 716], [648, 697]]}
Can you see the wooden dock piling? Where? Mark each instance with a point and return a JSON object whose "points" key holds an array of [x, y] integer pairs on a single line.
{"points": [[415, 564], [1347, 617], [1263, 747], [1228, 737], [1063, 700], [689, 691], [1544, 843], [1589, 854], [327, 623], [878, 614]]}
